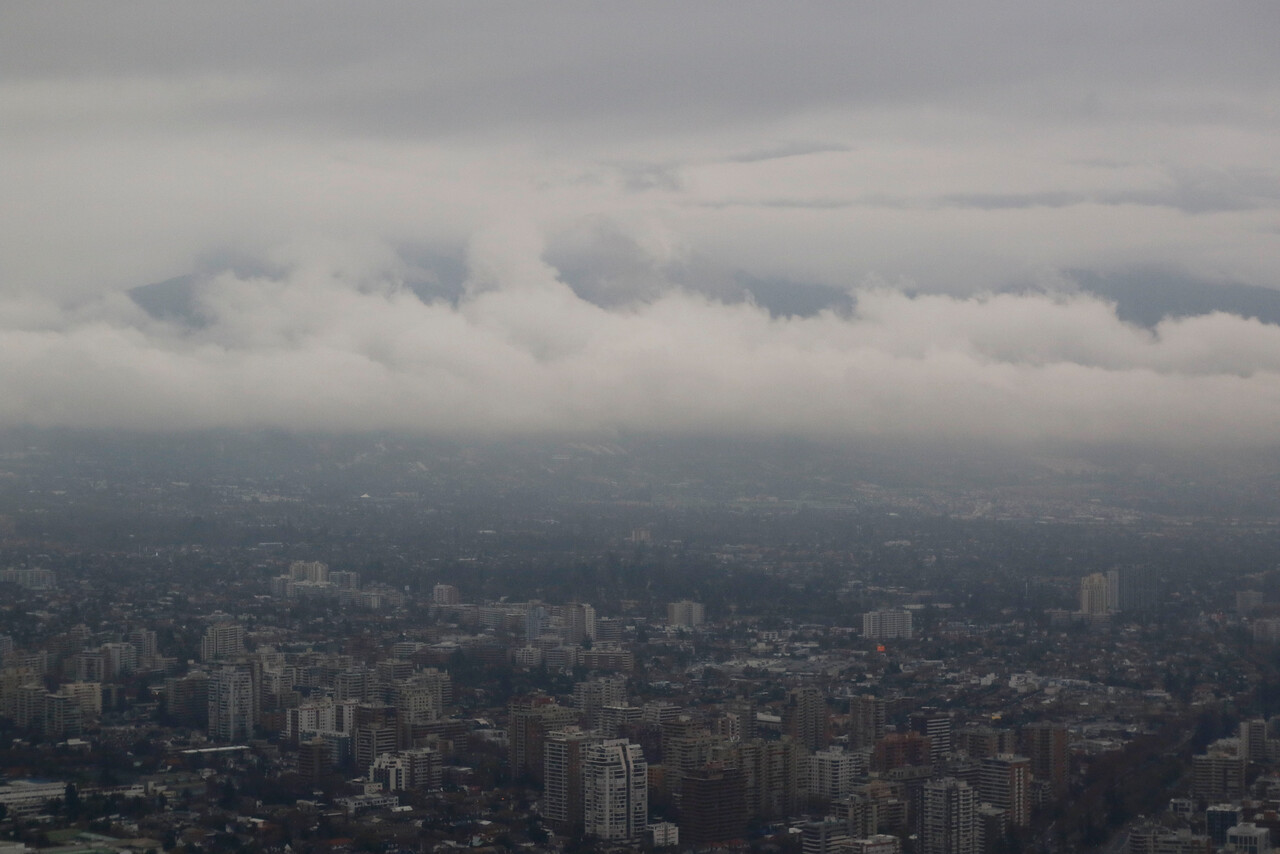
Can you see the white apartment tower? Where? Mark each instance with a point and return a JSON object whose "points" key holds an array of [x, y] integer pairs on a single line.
{"points": [[309, 570], [886, 625], [222, 641], [834, 771], [615, 786], [1097, 594]]}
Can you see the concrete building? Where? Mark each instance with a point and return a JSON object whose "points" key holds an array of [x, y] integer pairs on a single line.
{"points": [[312, 571], [664, 833], [685, 613], [579, 621], [187, 698], [1006, 783], [886, 625], [419, 768], [833, 773], [1248, 838], [590, 697], [1253, 740], [371, 740], [615, 785], [222, 642], [529, 720], [937, 726], [1219, 818], [805, 715], [1217, 776], [1096, 594], [712, 807], [948, 822], [1045, 744], [867, 716], [826, 836], [231, 704], [445, 594], [772, 773], [880, 843], [314, 759], [562, 794]]}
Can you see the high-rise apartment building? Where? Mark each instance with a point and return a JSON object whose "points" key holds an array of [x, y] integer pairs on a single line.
{"points": [[805, 715], [529, 721], [899, 749], [712, 808], [949, 819], [371, 740], [741, 715], [590, 697], [314, 759], [685, 613], [144, 644], [614, 718], [1005, 782], [615, 785], [772, 775], [418, 768], [309, 570], [1096, 594], [222, 642], [937, 726], [867, 716], [562, 793], [886, 625], [579, 621], [825, 836], [1253, 740], [979, 742], [62, 716], [445, 594], [186, 698], [1219, 818], [834, 771], [1217, 776], [1045, 744], [231, 705], [119, 658]]}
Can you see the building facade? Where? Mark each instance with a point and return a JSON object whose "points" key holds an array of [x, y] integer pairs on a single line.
{"points": [[615, 785]]}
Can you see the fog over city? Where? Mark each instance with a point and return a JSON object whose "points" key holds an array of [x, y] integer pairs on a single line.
{"points": [[1031, 223]]}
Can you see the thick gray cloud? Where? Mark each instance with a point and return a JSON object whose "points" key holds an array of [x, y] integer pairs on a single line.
{"points": [[582, 216]]}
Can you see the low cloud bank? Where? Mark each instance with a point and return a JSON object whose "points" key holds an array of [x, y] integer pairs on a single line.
{"points": [[346, 348]]}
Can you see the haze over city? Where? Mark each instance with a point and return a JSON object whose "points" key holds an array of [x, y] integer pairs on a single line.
{"points": [[587, 428]]}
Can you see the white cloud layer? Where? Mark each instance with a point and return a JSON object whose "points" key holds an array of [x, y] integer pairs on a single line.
{"points": [[586, 187], [316, 350]]}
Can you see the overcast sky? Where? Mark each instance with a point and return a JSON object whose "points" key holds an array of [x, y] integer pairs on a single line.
{"points": [[549, 216]]}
